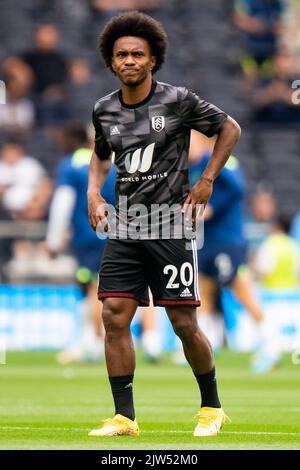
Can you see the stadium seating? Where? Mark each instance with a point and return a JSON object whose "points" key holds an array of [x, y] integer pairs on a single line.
{"points": [[203, 55]]}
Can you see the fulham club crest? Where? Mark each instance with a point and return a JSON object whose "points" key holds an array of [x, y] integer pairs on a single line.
{"points": [[158, 123]]}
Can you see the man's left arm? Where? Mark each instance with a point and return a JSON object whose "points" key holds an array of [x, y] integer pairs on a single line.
{"points": [[228, 135], [61, 208]]}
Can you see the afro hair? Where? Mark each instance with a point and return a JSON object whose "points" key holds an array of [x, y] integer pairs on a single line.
{"points": [[133, 23]]}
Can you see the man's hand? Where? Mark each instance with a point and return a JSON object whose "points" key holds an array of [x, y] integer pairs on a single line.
{"points": [[98, 212], [198, 195], [50, 251]]}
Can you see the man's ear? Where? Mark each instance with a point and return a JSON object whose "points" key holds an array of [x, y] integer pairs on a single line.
{"points": [[112, 64], [153, 62]]}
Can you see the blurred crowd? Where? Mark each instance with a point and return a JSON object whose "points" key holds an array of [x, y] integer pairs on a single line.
{"points": [[271, 57], [46, 88], [54, 77]]}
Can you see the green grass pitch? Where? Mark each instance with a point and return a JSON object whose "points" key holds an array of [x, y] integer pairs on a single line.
{"points": [[47, 406]]}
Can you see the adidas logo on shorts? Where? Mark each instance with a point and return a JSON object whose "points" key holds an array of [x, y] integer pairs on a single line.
{"points": [[114, 130], [186, 293]]}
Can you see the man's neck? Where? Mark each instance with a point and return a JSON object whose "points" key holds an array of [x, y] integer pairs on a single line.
{"points": [[137, 94]]}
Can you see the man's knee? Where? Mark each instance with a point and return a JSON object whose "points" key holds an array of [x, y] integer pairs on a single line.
{"points": [[184, 322], [115, 316], [185, 331]]}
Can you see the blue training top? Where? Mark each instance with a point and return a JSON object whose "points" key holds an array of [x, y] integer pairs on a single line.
{"points": [[226, 225], [73, 171]]}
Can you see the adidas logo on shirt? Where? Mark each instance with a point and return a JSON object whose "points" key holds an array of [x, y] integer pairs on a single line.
{"points": [[114, 130], [186, 293]]}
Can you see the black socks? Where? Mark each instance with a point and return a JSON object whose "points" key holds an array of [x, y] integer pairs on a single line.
{"points": [[121, 388], [123, 397], [208, 389]]}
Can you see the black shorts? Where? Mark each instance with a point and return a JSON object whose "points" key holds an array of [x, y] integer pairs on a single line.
{"points": [[223, 263], [129, 267]]}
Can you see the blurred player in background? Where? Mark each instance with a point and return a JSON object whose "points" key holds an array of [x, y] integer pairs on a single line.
{"points": [[259, 220], [277, 266], [222, 260], [277, 262], [151, 336], [147, 124], [69, 211], [295, 229]]}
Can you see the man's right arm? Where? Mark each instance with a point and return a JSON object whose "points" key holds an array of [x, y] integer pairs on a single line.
{"points": [[97, 206]]}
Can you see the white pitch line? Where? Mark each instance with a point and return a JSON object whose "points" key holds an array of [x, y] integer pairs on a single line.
{"points": [[30, 428], [267, 433], [165, 431], [231, 432]]}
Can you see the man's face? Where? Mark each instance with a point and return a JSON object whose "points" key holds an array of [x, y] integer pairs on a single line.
{"points": [[47, 38], [132, 60], [11, 153]]}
